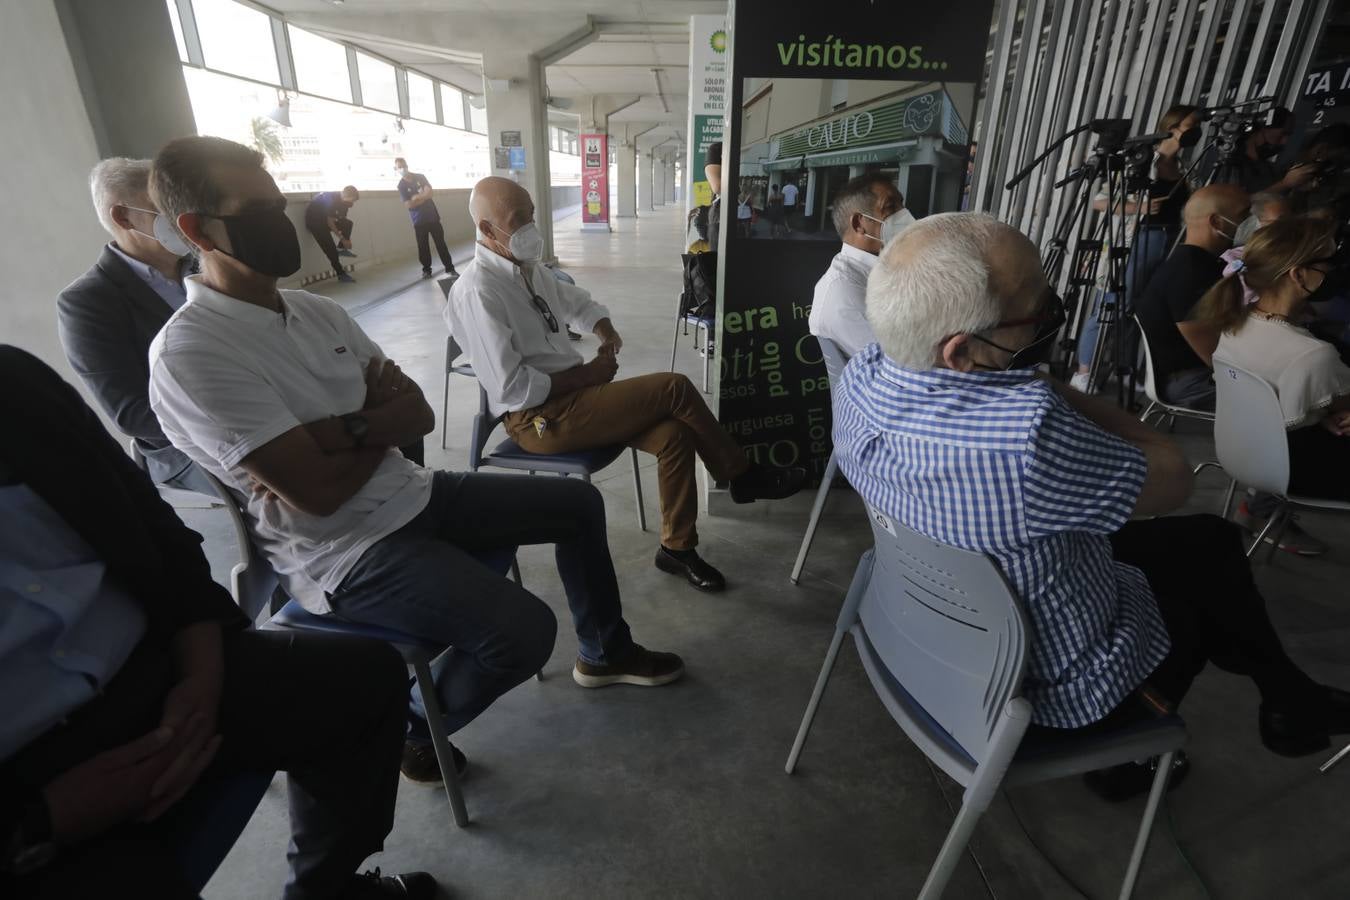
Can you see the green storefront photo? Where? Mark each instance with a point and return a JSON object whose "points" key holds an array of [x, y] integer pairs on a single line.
{"points": [[804, 138]]}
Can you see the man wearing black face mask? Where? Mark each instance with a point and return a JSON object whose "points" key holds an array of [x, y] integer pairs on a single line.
{"points": [[1257, 166]]}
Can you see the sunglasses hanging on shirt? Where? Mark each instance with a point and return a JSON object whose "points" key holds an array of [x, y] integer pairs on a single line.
{"points": [[542, 306]]}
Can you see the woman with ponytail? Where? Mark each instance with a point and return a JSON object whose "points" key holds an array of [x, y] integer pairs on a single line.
{"points": [[1288, 264]]}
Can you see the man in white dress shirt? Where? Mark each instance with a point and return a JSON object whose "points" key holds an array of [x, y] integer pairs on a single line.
{"points": [[868, 211], [508, 313], [281, 396]]}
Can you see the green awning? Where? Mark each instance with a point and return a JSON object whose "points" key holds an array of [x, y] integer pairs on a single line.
{"points": [[883, 153], [782, 165]]}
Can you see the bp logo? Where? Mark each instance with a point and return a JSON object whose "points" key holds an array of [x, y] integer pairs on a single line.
{"points": [[718, 41]]}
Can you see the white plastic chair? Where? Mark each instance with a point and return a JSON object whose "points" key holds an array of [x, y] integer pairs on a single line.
{"points": [[1156, 405], [1253, 446], [835, 360], [943, 641]]}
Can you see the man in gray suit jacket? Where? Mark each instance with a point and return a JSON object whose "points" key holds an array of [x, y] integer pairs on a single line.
{"points": [[109, 315]]}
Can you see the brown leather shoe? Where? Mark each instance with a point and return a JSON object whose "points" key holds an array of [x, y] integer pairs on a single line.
{"points": [[644, 667]]}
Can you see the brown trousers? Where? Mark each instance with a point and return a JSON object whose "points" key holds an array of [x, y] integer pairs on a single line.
{"points": [[662, 414]]}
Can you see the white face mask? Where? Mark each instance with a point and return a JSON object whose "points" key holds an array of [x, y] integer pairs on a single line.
{"points": [[401, 173], [526, 243], [164, 232], [892, 225]]}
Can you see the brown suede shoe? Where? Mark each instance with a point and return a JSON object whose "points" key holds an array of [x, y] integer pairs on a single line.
{"points": [[644, 667]]}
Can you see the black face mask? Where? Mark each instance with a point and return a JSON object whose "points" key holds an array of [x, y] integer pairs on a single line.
{"points": [[1268, 151], [1333, 285], [265, 241], [1037, 350]]}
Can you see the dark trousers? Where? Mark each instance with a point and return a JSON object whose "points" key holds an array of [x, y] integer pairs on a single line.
{"points": [[427, 579], [435, 232], [327, 710], [324, 238], [1199, 574], [1317, 463]]}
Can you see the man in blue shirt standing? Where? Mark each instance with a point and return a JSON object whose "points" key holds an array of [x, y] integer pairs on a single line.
{"points": [[325, 217], [426, 219], [946, 426]]}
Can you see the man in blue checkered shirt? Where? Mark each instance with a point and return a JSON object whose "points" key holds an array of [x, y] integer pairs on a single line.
{"points": [[946, 426]]}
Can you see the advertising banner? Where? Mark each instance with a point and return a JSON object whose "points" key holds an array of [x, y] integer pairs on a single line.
{"points": [[707, 101], [594, 182], [821, 93]]}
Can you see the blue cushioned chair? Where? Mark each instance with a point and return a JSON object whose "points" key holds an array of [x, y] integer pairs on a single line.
{"points": [[835, 360], [702, 325], [510, 455], [253, 582], [944, 642]]}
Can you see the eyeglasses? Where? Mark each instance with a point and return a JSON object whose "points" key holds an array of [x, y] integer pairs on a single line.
{"points": [[550, 319], [1051, 314]]}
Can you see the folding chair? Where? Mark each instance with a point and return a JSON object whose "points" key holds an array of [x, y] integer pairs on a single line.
{"points": [[702, 325], [510, 455], [835, 360], [1253, 447], [1156, 405], [943, 641], [253, 581]]}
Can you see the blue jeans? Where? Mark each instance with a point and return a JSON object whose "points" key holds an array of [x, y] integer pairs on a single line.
{"points": [[1146, 254], [428, 579]]}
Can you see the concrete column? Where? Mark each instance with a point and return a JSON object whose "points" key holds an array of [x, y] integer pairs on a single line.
{"points": [[625, 204], [128, 70], [646, 201], [661, 189], [514, 87], [671, 187]]}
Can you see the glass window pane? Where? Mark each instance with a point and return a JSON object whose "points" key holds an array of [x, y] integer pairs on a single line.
{"points": [[421, 97], [478, 118], [379, 89], [320, 65], [177, 30], [452, 105], [236, 39]]}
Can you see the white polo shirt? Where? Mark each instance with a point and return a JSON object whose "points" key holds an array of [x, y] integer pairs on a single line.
{"points": [[228, 377], [839, 305], [789, 195], [506, 337]]}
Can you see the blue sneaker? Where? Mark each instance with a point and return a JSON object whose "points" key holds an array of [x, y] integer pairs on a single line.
{"points": [[345, 252], [345, 278]]}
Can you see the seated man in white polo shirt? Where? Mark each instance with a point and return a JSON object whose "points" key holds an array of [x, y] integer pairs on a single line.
{"points": [[508, 313], [868, 212], [281, 396]]}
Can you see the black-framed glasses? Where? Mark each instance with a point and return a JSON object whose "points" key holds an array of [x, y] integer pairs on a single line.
{"points": [[542, 306]]}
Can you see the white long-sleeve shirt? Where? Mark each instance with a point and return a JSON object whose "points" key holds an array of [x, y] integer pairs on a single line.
{"points": [[507, 337], [839, 306]]}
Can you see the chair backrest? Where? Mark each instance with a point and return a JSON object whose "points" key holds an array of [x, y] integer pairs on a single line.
{"points": [[1150, 386], [835, 360], [951, 632], [252, 580], [484, 422], [1249, 434]]}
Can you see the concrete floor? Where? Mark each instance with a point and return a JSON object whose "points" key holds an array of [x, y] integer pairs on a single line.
{"points": [[680, 791]]}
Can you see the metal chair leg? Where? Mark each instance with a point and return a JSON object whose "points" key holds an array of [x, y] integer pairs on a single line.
{"points": [[1148, 412], [439, 741], [675, 343], [1228, 498], [1155, 796], [1270, 523], [637, 491], [445, 410], [822, 494], [707, 354]]}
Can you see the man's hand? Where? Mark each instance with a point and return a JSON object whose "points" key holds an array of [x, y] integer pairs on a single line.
{"points": [[108, 789], [610, 342], [190, 712], [603, 368], [1300, 176], [1155, 205], [384, 382], [1338, 423]]}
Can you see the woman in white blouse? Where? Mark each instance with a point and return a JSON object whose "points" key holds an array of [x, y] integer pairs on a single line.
{"points": [[1288, 264]]}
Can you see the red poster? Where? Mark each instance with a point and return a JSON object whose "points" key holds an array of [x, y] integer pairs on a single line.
{"points": [[594, 180]]}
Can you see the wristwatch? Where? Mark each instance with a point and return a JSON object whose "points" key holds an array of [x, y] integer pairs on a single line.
{"points": [[30, 847], [357, 426]]}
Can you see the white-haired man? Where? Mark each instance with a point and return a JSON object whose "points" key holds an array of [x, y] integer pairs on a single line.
{"points": [[109, 315], [946, 427], [508, 313]]}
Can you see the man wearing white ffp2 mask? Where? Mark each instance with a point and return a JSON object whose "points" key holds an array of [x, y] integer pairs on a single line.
{"points": [[510, 315], [868, 212]]}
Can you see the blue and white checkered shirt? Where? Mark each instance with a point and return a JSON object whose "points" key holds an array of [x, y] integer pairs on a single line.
{"points": [[999, 463]]}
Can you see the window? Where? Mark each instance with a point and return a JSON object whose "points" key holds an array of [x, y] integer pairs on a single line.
{"points": [[421, 97], [320, 65], [478, 118], [452, 105], [177, 24], [236, 39], [379, 89]]}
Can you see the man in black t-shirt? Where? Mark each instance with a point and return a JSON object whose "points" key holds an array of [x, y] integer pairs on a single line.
{"points": [[325, 218], [426, 219], [1182, 349]]}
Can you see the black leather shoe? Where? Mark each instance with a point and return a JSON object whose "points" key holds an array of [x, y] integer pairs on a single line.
{"points": [[766, 483], [1119, 783], [374, 886], [694, 569], [1306, 729], [420, 763]]}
